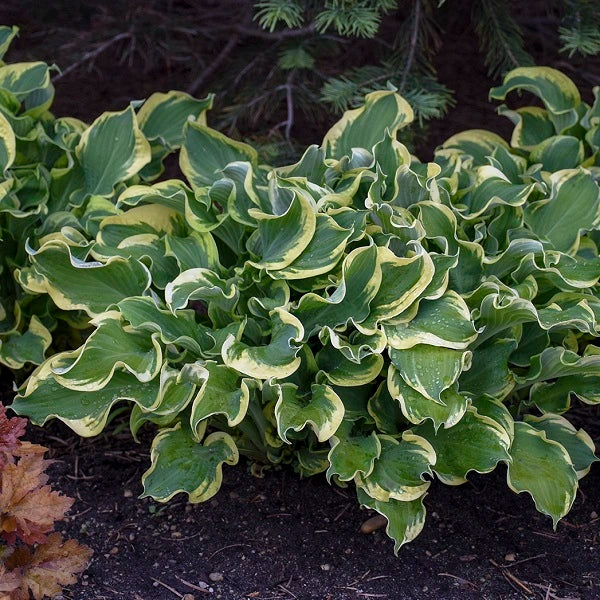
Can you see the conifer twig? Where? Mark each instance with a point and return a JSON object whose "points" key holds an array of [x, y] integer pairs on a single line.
{"points": [[413, 44], [92, 54]]}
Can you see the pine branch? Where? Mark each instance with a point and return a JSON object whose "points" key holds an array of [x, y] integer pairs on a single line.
{"points": [[91, 55], [580, 29], [290, 106], [499, 36], [271, 13], [275, 35], [416, 22], [429, 98], [352, 18]]}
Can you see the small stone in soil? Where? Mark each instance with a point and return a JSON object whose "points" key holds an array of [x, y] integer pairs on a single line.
{"points": [[216, 577], [325, 567]]}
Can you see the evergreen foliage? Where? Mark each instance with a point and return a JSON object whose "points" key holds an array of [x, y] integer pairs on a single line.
{"points": [[282, 69]]}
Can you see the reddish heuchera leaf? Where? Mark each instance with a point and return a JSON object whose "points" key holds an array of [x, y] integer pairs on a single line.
{"points": [[52, 565], [10, 582], [28, 511], [10, 432], [28, 507], [27, 448]]}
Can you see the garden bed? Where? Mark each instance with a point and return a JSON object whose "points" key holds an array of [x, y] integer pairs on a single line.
{"points": [[280, 537]]}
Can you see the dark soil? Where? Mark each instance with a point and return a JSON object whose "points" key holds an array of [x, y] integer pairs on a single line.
{"points": [[280, 537]]}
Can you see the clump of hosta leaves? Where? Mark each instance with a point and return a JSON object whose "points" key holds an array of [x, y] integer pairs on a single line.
{"points": [[60, 175], [360, 313], [35, 561]]}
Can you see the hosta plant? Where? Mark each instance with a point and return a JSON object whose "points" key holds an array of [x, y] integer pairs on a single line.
{"points": [[360, 313], [35, 561], [61, 175]]}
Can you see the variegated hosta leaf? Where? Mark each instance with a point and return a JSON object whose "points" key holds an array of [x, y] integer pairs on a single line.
{"points": [[29, 84], [112, 149], [558, 152], [490, 372], [180, 329], [443, 322], [323, 410], [491, 188], [532, 126], [352, 453], [7, 144], [543, 468], [85, 413], [171, 193], [206, 152], [149, 250], [475, 443], [311, 462], [525, 257], [358, 346], [176, 391], [497, 411], [17, 349], [222, 391], [555, 363], [112, 346], [477, 144], [403, 280], [163, 116], [77, 285], [280, 239], [430, 370], [200, 284], [237, 190], [577, 443], [7, 34], [572, 207], [398, 472], [323, 252], [558, 93], [441, 225], [405, 520], [339, 370], [361, 278], [448, 411], [385, 410], [365, 126], [197, 250], [556, 396], [137, 221], [181, 464], [279, 358], [269, 296], [504, 310]]}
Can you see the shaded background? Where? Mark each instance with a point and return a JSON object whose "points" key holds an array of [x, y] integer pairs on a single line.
{"points": [[113, 52]]}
